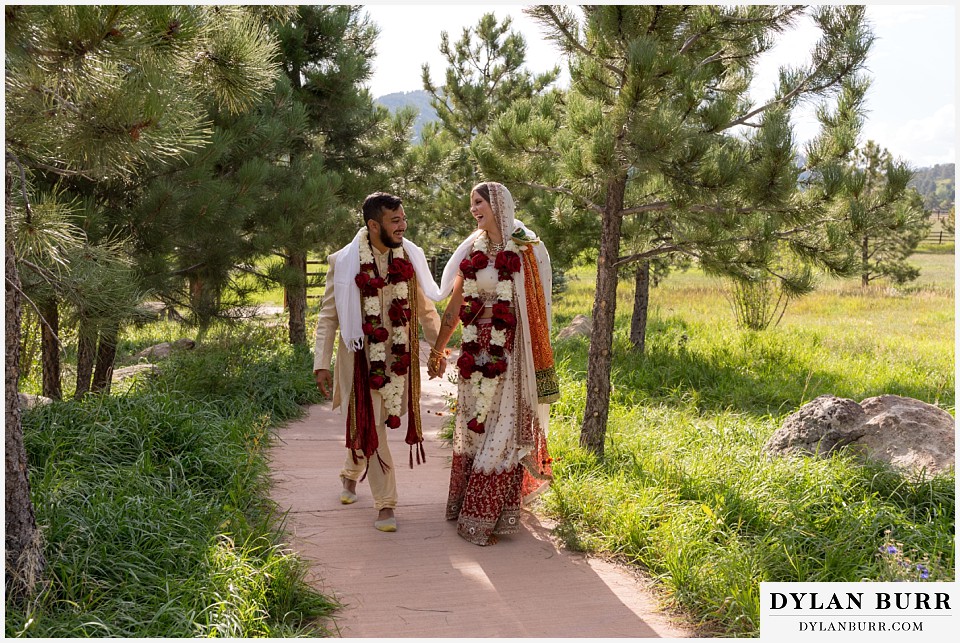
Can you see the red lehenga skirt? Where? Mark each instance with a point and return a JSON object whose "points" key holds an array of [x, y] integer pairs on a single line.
{"points": [[488, 482]]}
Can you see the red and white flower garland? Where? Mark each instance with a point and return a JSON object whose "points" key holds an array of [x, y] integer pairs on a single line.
{"points": [[484, 378], [399, 273]]}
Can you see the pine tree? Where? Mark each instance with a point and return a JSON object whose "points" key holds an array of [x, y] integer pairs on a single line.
{"points": [[93, 93], [213, 207], [658, 127], [327, 56], [485, 75], [886, 231]]}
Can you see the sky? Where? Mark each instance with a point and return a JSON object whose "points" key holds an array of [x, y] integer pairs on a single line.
{"points": [[911, 104]]}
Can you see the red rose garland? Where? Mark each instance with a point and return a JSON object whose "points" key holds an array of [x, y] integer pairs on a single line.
{"points": [[399, 272], [484, 378]]}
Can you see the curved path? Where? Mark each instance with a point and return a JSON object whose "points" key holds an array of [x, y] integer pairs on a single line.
{"points": [[424, 580]]}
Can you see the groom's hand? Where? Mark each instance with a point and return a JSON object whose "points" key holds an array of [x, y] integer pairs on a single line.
{"points": [[324, 381]]}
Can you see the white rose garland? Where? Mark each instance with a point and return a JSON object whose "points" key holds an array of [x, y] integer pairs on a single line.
{"points": [[392, 388], [484, 382]]}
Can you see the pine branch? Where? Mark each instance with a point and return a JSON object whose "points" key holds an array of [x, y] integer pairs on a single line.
{"points": [[60, 171], [576, 44], [649, 254], [713, 58], [691, 40], [549, 188], [251, 271], [685, 246], [780, 101], [23, 183], [650, 207], [184, 271], [46, 274], [773, 22]]}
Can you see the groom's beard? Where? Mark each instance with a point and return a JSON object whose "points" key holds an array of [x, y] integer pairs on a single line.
{"points": [[388, 241]]}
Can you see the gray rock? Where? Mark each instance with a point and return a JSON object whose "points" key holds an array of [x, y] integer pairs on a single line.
{"points": [[28, 401], [909, 435], [819, 427], [163, 349], [580, 326], [136, 369]]}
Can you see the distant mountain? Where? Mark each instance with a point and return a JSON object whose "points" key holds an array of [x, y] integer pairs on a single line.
{"points": [[419, 99]]}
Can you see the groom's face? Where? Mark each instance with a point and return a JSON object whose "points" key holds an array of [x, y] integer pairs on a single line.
{"points": [[393, 223]]}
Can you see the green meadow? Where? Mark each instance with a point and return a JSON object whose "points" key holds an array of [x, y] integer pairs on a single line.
{"points": [[685, 492]]}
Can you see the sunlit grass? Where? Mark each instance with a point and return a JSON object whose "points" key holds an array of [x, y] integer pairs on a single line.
{"points": [[684, 490], [153, 503]]}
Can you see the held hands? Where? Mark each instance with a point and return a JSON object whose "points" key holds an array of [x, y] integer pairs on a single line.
{"points": [[437, 363]]}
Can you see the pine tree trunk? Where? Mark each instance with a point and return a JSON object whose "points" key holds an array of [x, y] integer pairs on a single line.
{"points": [[86, 351], [50, 348], [296, 298], [641, 303], [23, 553], [203, 301], [865, 262], [599, 359], [106, 355]]}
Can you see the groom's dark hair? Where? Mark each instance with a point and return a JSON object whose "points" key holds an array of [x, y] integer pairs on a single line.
{"points": [[376, 203]]}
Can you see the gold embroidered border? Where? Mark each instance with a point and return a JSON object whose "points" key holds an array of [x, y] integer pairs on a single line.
{"points": [[413, 343], [548, 385]]}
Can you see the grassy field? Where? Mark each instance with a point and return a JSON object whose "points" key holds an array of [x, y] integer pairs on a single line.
{"points": [[685, 492]]}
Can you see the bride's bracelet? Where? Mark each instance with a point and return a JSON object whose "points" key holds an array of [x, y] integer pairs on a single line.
{"points": [[434, 353]]}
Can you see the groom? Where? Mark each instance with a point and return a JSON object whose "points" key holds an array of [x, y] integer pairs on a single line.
{"points": [[375, 296]]}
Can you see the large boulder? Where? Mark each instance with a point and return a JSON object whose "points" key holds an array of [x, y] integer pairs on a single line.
{"points": [[819, 427], [580, 326], [908, 434]]}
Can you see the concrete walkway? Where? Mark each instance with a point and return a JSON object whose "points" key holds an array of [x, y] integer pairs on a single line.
{"points": [[424, 580]]}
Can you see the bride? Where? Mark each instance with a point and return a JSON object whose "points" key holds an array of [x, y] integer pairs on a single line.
{"points": [[499, 280]]}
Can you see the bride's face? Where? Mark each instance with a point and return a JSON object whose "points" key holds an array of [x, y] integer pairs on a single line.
{"points": [[483, 213]]}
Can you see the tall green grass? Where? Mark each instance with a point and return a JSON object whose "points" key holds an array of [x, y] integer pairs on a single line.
{"points": [[153, 503], [684, 490]]}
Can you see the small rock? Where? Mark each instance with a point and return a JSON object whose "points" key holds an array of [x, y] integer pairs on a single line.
{"points": [[28, 401], [163, 348], [581, 325], [136, 369]]}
